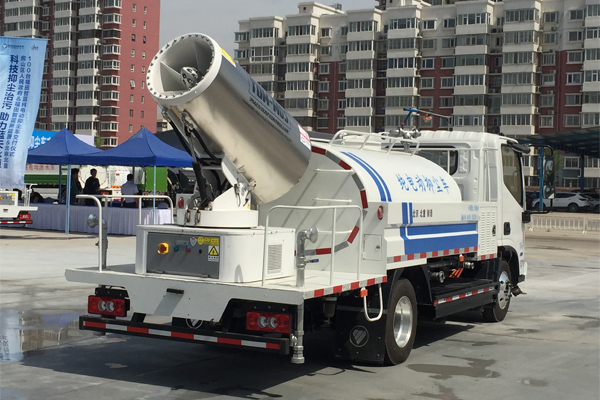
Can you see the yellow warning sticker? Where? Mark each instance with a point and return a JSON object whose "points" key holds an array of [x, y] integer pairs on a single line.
{"points": [[213, 241], [213, 251], [200, 240]]}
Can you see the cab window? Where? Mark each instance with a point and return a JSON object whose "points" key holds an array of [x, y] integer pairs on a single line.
{"points": [[512, 174]]}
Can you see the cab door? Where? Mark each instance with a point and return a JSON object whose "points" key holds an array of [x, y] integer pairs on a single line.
{"points": [[512, 227]]}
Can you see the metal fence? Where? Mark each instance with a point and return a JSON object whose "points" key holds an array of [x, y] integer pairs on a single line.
{"points": [[551, 222]]}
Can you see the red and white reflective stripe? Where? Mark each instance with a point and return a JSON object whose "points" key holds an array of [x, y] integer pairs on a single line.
{"points": [[182, 335], [486, 257], [462, 296], [27, 221], [345, 287], [431, 254]]}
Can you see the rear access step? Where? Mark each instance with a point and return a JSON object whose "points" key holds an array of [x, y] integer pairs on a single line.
{"points": [[459, 296], [160, 331]]}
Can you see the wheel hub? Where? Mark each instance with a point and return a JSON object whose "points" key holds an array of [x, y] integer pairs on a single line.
{"points": [[403, 321]]}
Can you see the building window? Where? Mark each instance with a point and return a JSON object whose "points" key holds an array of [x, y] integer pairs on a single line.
{"points": [[592, 76], [573, 78], [448, 62], [547, 100], [144, 24], [132, 52], [325, 32], [143, 39], [572, 120], [516, 119], [551, 17], [548, 58], [133, 22], [134, 7], [429, 24], [323, 86], [575, 36], [449, 23], [446, 102], [549, 38], [426, 83], [447, 82], [591, 119], [142, 100], [548, 79], [130, 128], [546, 121], [323, 68], [142, 114], [428, 63], [145, 10], [131, 98], [341, 105], [426, 102], [576, 14], [132, 67], [573, 99], [133, 40]]}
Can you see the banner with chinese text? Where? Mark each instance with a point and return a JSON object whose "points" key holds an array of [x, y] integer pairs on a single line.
{"points": [[21, 70]]}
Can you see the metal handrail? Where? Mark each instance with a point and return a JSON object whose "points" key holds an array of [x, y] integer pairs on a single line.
{"points": [[134, 196], [309, 208], [100, 227]]}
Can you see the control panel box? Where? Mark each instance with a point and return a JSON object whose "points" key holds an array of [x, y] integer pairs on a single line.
{"points": [[225, 255]]}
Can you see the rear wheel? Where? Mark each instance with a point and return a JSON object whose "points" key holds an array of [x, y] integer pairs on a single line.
{"points": [[573, 207], [497, 311], [401, 323]]}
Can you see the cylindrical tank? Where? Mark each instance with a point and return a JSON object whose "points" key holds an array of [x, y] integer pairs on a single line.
{"points": [[234, 115]]}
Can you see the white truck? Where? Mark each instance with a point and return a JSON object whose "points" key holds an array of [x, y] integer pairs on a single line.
{"points": [[11, 212], [361, 233]]}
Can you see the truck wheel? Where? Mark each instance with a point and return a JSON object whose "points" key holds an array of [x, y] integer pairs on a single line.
{"points": [[497, 311], [401, 323]]}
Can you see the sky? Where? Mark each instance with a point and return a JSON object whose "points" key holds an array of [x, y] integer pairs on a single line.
{"points": [[219, 18]]}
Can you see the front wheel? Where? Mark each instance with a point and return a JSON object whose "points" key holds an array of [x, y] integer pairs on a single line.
{"points": [[401, 323], [573, 207], [497, 311]]}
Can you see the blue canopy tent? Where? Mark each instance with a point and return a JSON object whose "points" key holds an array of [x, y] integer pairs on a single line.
{"points": [[143, 149], [62, 149]]}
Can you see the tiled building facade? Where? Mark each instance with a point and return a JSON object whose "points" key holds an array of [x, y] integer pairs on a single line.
{"points": [[516, 67], [96, 60]]}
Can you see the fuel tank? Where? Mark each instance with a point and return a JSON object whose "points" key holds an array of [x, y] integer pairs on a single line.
{"points": [[197, 83]]}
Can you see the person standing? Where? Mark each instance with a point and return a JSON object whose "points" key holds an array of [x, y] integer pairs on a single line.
{"points": [[92, 186], [75, 186], [129, 188]]}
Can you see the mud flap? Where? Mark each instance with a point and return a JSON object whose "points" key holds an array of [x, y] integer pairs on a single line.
{"points": [[356, 338]]}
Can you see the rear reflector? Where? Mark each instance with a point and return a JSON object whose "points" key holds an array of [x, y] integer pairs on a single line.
{"points": [[107, 306], [268, 322], [23, 216]]}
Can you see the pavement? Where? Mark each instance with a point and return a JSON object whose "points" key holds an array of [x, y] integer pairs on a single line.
{"points": [[546, 349]]}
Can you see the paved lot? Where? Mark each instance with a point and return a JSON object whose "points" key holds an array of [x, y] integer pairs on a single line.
{"points": [[547, 348]]}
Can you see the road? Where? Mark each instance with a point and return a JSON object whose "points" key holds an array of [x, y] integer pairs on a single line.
{"points": [[547, 348]]}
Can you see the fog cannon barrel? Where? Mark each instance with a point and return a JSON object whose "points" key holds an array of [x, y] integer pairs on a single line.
{"points": [[193, 79]]}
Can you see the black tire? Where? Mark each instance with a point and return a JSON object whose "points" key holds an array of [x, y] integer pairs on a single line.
{"points": [[497, 311], [572, 207], [401, 323]]}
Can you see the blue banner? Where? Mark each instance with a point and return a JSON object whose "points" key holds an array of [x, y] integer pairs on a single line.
{"points": [[21, 70], [39, 138]]}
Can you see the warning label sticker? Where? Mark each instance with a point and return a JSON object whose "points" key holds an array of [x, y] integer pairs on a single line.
{"points": [[213, 253], [304, 138]]}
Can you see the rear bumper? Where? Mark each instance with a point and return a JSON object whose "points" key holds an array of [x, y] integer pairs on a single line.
{"points": [[167, 332]]}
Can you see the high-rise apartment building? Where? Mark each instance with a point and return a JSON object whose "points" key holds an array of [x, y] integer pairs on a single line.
{"points": [[96, 60], [516, 67]]}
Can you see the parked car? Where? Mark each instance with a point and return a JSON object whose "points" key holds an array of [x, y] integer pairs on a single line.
{"points": [[530, 196], [571, 202], [595, 200]]}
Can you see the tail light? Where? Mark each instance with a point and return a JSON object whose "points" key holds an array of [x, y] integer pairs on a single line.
{"points": [[180, 202], [107, 306], [24, 216], [268, 322]]}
